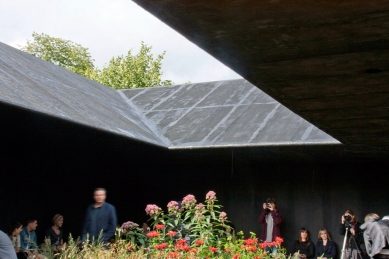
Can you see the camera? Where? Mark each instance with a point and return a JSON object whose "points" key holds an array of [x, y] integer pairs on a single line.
{"points": [[268, 205], [347, 218]]}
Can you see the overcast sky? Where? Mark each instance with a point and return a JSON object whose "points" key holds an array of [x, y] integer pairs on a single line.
{"points": [[109, 28]]}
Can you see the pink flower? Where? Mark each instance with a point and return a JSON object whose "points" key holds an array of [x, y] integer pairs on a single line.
{"points": [[129, 224], [189, 200], [172, 206], [211, 195], [152, 209], [199, 207], [223, 216]]}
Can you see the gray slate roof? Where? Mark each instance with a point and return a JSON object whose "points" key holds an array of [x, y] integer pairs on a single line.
{"points": [[213, 114], [223, 113]]}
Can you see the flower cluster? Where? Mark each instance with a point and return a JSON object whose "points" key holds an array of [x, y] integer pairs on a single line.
{"points": [[129, 224], [161, 246], [159, 226], [181, 245], [189, 200], [153, 234], [200, 207], [152, 209], [172, 207], [211, 195], [223, 216]]}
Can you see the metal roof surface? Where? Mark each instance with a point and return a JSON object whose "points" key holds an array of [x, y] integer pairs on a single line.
{"points": [[213, 114]]}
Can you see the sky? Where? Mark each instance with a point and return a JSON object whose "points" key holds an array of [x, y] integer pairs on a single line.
{"points": [[109, 28]]}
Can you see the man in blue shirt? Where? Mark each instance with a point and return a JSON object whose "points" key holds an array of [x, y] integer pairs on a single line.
{"points": [[100, 217], [28, 240]]}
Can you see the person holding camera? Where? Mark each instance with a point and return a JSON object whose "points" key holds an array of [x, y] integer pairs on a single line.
{"points": [[271, 218], [303, 247], [354, 247]]}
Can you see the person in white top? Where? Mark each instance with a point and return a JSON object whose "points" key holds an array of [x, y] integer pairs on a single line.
{"points": [[13, 232]]}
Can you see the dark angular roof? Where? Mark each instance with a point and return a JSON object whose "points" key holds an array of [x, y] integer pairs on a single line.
{"points": [[223, 113], [213, 114]]}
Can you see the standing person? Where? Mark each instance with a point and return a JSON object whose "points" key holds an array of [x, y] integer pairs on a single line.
{"points": [[14, 234], [325, 247], [303, 247], [355, 245], [271, 218], [376, 235], [100, 217], [28, 240], [54, 235], [7, 250]]}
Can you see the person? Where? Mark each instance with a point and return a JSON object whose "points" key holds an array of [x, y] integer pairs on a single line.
{"points": [[54, 235], [14, 234], [325, 247], [303, 247], [271, 218], [7, 250], [100, 217], [28, 240], [376, 236], [146, 228], [355, 246]]}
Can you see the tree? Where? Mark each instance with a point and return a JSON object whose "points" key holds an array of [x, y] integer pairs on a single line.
{"points": [[63, 53], [132, 71], [122, 72]]}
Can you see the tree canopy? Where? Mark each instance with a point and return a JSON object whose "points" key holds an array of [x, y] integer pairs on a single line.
{"points": [[63, 53], [122, 72]]}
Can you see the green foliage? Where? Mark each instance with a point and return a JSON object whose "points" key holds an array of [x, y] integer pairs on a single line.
{"points": [[122, 72], [63, 53], [132, 71]]}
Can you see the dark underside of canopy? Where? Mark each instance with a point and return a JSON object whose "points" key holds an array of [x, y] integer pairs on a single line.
{"points": [[327, 61]]}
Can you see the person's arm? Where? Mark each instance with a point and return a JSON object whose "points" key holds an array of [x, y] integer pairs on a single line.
{"points": [[332, 252], [85, 225], [342, 229], [294, 249], [311, 250], [277, 216], [112, 223], [318, 249], [262, 217]]}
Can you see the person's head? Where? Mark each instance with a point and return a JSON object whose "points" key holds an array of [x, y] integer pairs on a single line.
{"points": [[323, 234], [99, 195], [57, 220], [371, 216], [272, 201], [31, 224], [351, 214], [15, 228], [303, 235]]}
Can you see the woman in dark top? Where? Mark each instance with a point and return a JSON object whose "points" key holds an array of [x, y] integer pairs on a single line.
{"points": [[325, 247], [303, 247], [54, 235]]}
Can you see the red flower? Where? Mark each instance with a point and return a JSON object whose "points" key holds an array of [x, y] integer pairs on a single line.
{"points": [[199, 242], [193, 251], [181, 241], [160, 246], [251, 241], [153, 234], [171, 233], [236, 256], [159, 226], [279, 239], [213, 249], [174, 254]]}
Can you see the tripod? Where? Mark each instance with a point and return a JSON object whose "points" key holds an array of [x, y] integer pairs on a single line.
{"points": [[345, 241]]}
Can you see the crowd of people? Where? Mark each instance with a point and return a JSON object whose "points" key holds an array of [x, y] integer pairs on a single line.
{"points": [[361, 241]]}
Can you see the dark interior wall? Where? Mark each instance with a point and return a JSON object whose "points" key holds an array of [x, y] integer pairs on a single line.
{"points": [[50, 166]]}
